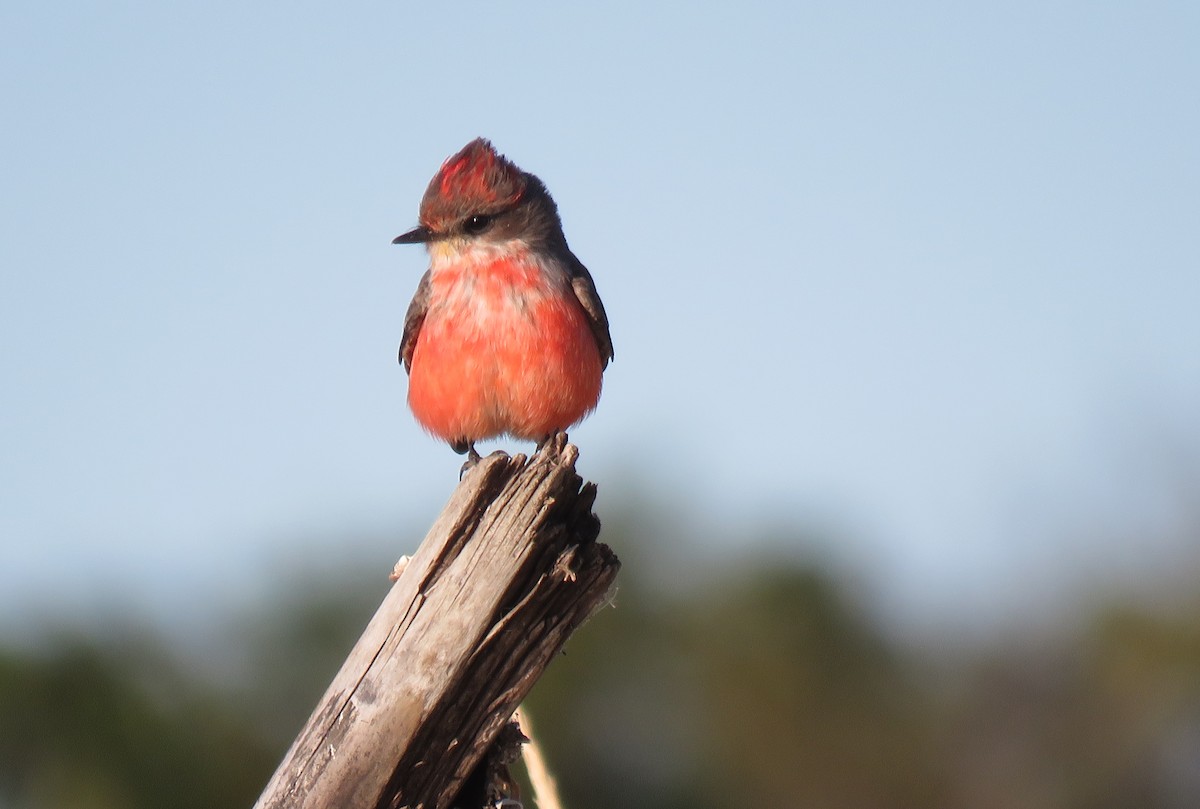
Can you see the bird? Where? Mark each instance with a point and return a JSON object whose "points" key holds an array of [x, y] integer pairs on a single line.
{"points": [[506, 333]]}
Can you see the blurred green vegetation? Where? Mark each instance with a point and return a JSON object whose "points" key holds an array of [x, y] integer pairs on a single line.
{"points": [[763, 686]]}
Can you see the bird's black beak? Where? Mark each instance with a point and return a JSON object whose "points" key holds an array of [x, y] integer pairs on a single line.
{"points": [[418, 235]]}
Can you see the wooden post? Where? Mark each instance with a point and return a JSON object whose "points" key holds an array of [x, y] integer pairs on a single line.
{"points": [[507, 572]]}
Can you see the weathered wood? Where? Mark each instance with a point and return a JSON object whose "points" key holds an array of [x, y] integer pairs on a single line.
{"points": [[507, 572]]}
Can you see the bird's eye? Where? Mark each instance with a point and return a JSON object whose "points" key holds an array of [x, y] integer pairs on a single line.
{"points": [[477, 224]]}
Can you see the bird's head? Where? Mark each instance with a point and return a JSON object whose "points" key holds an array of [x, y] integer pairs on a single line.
{"points": [[478, 196]]}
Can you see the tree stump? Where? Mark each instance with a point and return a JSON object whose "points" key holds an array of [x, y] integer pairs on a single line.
{"points": [[509, 570]]}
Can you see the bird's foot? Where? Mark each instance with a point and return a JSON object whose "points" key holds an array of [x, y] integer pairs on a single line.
{"points": [[464, 447]]}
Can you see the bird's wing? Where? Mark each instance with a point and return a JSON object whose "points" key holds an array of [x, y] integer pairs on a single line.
{"points": [[413, 320], [585, 291]]}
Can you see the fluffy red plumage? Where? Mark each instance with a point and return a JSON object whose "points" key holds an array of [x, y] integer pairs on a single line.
{"points": [[506, 334]]}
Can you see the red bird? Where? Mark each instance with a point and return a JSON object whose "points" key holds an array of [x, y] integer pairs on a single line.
{"points": [[506, 333]]}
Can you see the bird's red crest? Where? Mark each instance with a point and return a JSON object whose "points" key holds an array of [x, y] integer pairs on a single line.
{"points": [[476, 178]]}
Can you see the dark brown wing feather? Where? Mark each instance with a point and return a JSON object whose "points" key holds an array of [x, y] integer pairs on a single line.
{"points": [[413, 320], [585, 291]]}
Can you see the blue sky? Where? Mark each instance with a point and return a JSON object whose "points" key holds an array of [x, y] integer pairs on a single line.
{"points": [[925, 275]]}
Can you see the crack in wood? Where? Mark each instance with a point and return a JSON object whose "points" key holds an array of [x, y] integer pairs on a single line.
{"points": [[433, 682]]}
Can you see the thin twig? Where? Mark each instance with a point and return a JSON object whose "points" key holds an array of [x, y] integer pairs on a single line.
{"points": [[545, 792]]}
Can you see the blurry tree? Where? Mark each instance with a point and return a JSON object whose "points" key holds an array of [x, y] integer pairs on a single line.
{"points": [[1107, 720], [283, 659], [809, 704], [89, 725], [768, 691], [765, 686]]}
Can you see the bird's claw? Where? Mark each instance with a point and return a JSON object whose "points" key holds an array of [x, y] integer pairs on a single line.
{"points": [[463, 446]]}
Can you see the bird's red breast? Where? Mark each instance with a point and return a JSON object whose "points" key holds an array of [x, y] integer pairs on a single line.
{"points": [[505, 348]]}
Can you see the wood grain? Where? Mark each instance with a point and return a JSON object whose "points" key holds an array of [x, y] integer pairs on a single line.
{"points": [[507, 572]]}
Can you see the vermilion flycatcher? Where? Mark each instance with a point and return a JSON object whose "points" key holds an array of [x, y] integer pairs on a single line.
{"points": [[506, 334]]}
